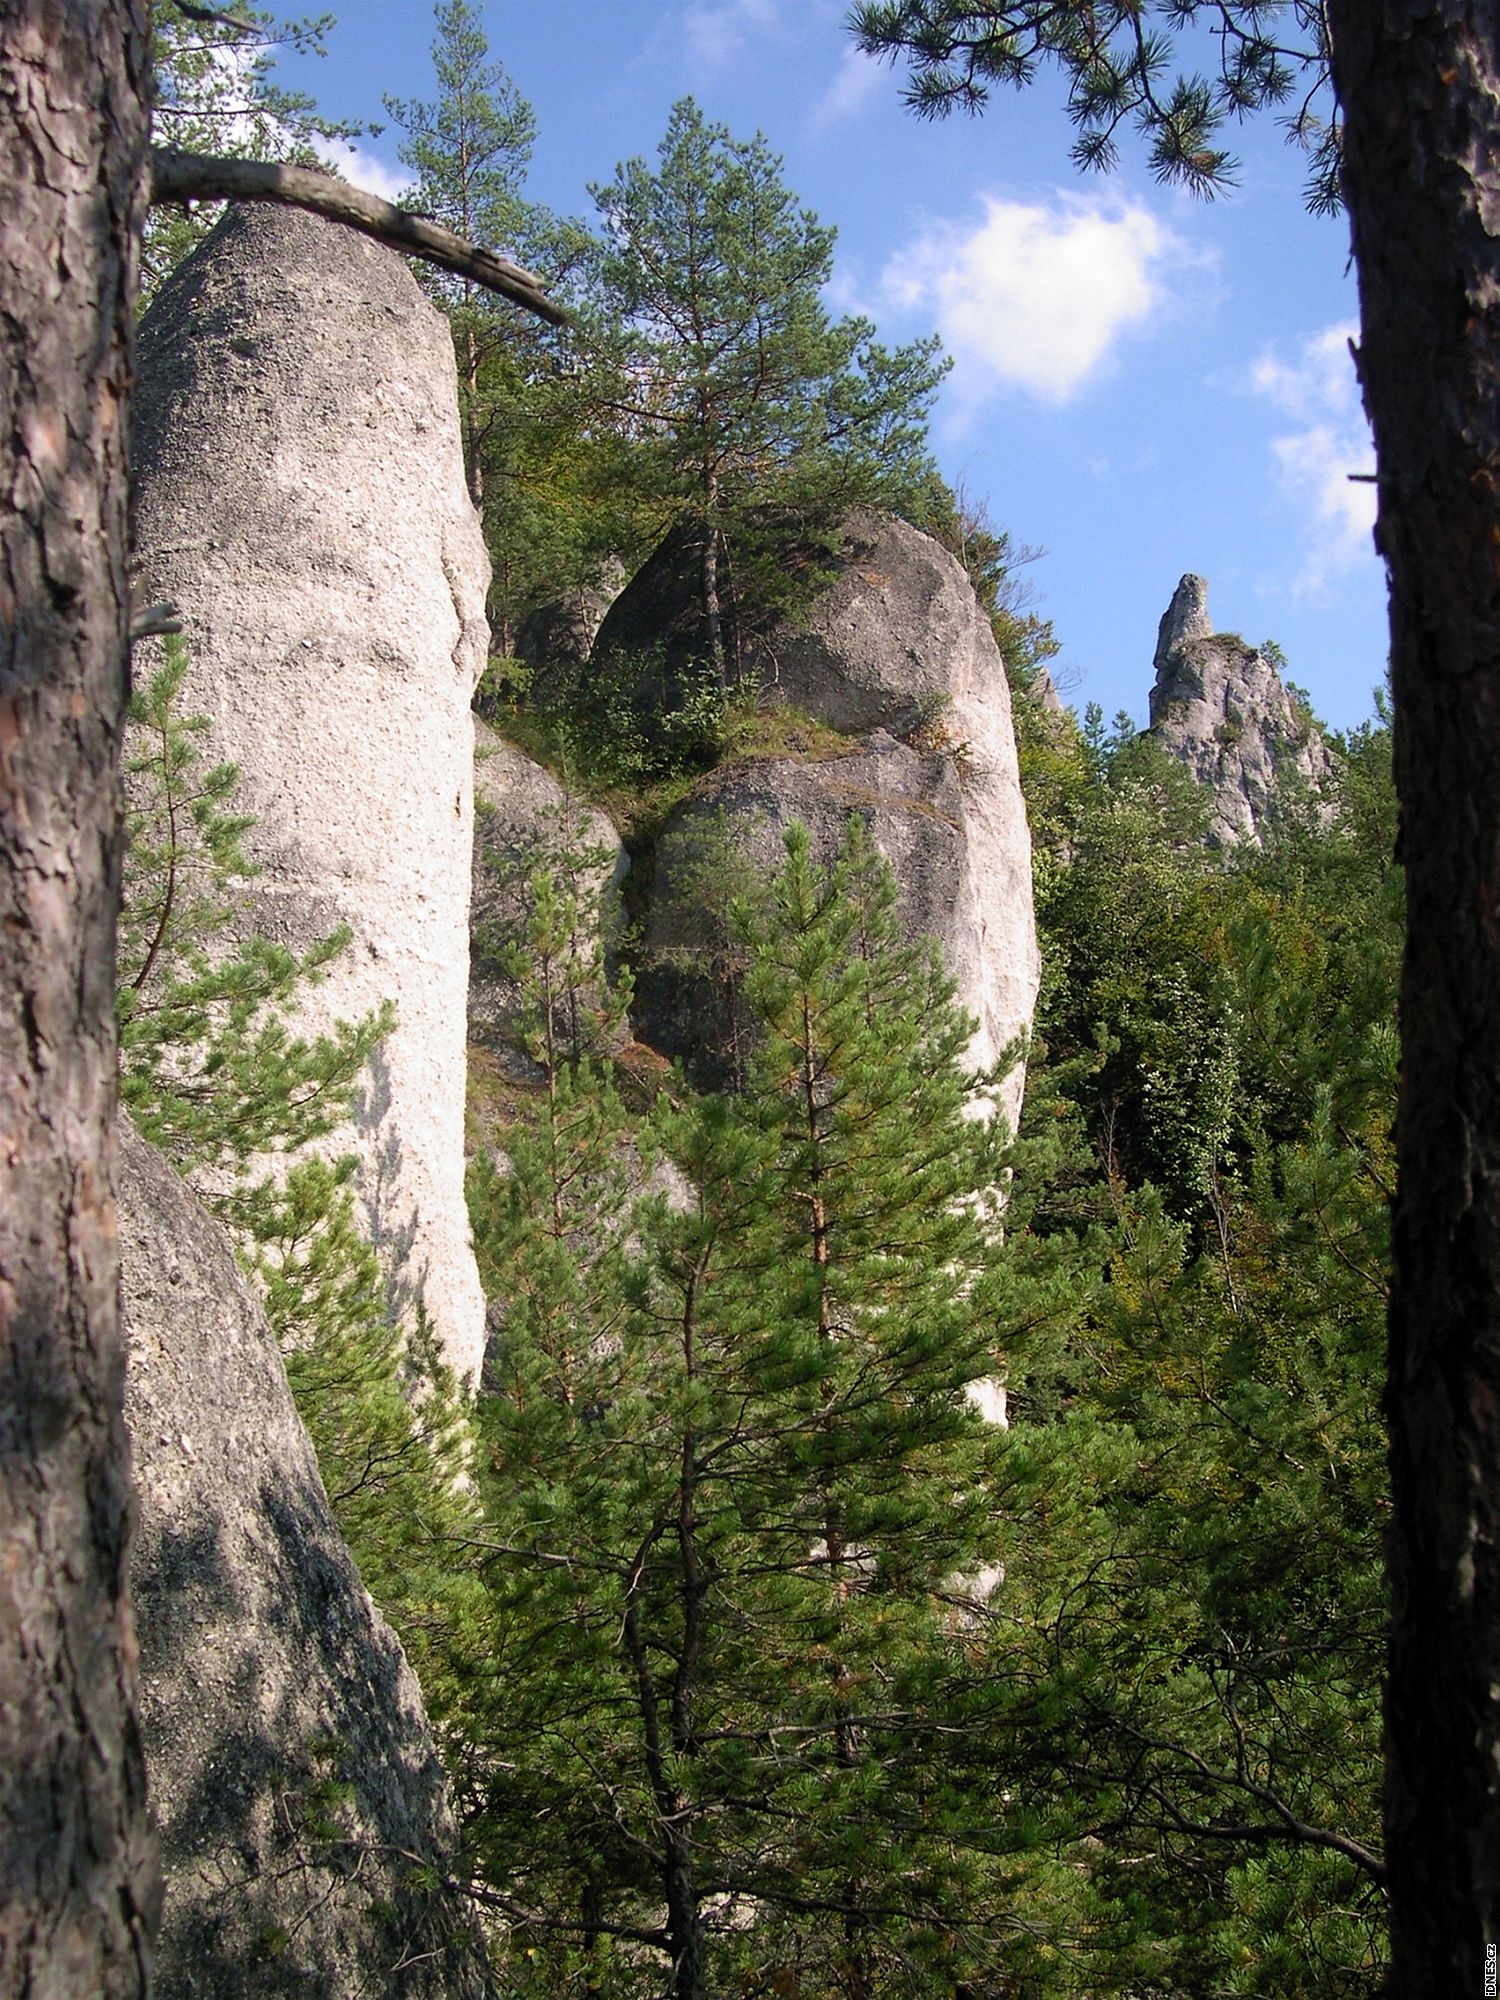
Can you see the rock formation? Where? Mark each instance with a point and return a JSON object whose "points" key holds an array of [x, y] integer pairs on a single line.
{"points": [[1220, 709], [301, 497], [556, 638], [522, 816], [1044, 693], [895, 654], [267, 1676]]}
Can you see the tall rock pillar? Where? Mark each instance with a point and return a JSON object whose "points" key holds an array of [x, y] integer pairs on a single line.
{"points": [[1219, 707], [300, 496]]}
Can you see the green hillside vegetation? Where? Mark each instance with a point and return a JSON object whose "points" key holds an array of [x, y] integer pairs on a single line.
{"points": [[702, 1628], [760, 1664]]}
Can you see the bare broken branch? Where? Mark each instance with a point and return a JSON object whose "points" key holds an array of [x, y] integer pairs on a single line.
{"points": [[181, 177], [155, 621]]}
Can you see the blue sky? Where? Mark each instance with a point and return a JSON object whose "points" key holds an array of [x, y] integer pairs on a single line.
{"points": [[1144, 384]]}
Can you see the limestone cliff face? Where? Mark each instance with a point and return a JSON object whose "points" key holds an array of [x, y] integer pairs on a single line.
{"points": [[266, 1672], [1219, 707], [896, 654], [300, 495]]}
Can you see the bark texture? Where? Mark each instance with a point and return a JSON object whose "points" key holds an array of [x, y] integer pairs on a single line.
{"points": [[77, 1874], [1420, 83]]}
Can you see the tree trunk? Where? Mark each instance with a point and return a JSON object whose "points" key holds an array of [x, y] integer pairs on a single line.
{"points": [[713, 614], [471, 428], [689, 1942], [1420, 83], [77, 1873]]}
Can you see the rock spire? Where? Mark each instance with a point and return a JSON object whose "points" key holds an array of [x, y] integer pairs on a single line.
{"points": [[301, 497], [1220, 708]]}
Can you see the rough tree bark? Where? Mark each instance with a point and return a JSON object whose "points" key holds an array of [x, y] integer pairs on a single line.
{"points": [[78, 1882], [1420, 85], [77, 1871]]}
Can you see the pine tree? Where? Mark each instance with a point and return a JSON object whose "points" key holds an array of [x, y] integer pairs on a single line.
{"points": [[1187, 1680], [210, 1069], [735, 1487], [215, 94], [741, 391], [213, 1074], [470, 149]]}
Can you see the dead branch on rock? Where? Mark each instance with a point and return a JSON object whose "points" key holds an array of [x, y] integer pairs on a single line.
{"points": [[183, 177]]}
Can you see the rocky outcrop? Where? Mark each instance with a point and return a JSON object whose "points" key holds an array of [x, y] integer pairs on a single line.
{"points": [[291, 1766], [1219, 707], [1043, 692], [729, 835], [300, 495], [555, 639], [523, 817], [894, 653]]}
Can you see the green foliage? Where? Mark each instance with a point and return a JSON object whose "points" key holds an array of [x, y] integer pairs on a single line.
{"points": [[1197, 1476], [595, 743], [385, 1416], [814, 1682], [215, 94], [545, 933], [700, 1614], [747, 402], [733, 1485], [212, 1071], [470, 149], [503, 686], [622, 742], [1124, 888], [210, 1068]]}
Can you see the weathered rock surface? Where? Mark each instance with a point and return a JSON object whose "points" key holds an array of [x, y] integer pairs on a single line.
{"points": [[300, 495], [895, 653], [555, 639], [1219, 707], [266, 1673], [1044, 693], [522, 817], [730, 832]]}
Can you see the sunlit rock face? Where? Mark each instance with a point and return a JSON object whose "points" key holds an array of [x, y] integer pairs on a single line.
{"points": [[1219, 707], [301, 498], [896, 655], [267, 1675]]}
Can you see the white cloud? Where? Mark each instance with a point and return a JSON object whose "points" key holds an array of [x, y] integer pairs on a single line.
{"points": [[857, 79], [1038, 297], [715, 32], [1319, 394], [363, 170]]}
